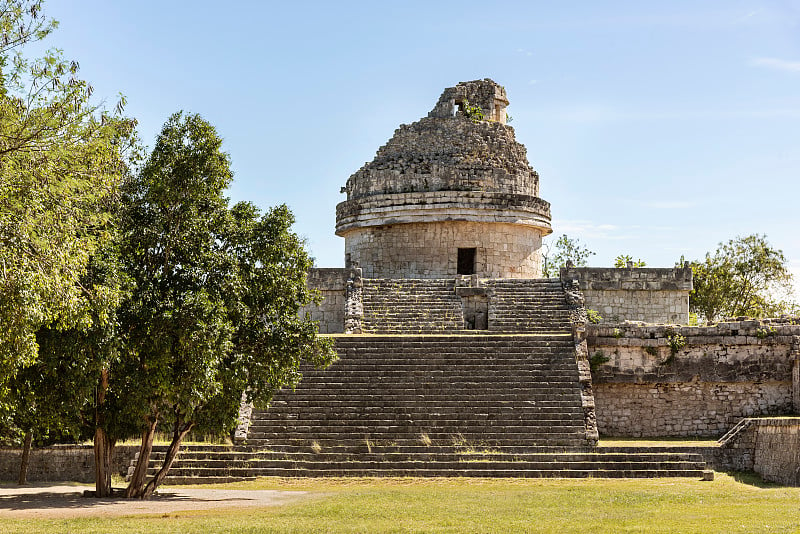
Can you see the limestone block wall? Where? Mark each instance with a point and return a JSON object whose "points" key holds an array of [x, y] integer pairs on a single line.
{"points": [[768, 446], [63, 462], [331, 283], [635, 294], [693, 381], [422, 250], [671, 307], [777, 451]]}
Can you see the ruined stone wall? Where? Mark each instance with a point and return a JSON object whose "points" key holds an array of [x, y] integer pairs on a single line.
{"points": [[453, 154], [635, 294], [486, 94], [768, 446], [454, 169], [777, 451], [693, 381], [665, 306], [63, 463], [431, 250], [331, 284]]}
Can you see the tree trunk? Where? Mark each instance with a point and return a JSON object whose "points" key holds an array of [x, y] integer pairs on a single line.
{"points": [[103, 449], [172, 452], [135, 487], [26, 456], [103, 445]]}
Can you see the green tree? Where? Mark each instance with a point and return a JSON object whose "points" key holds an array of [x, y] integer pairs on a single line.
{"points": [[565, 249], [213, 314], [622, 261], [61, 162], [745, 277]]}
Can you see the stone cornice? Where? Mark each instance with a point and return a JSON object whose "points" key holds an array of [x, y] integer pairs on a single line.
{"points": [[439, 206]]}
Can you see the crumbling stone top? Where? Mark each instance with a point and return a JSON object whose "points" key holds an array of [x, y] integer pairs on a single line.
{"points": [[452, 149], [486, 94]]}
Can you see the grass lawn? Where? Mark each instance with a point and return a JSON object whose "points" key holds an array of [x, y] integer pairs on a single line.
{"points": [[479, 505]]}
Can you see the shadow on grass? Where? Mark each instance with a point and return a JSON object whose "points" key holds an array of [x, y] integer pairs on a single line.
{"points": [[67, 496], [751, 479]]}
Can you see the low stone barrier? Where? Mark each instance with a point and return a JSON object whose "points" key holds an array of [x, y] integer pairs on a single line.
{"points": [[657, 381], [62, 463], [768, 446]]}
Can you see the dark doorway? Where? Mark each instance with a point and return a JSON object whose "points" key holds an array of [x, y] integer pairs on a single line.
{"points": [[466, 261]]}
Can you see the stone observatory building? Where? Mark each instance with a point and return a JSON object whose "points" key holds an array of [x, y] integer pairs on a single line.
{"points": [[448, 196], [458, 358]]}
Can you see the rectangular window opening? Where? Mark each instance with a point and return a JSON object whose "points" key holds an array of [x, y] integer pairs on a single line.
{"points": [[466, 261]]}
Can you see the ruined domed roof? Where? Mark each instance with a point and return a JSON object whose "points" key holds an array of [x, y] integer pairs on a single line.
{"points": [[460, 163], [463, 144]]}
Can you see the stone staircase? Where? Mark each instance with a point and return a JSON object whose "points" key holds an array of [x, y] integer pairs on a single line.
{"points": [[409, 306], [434, 401], [429, 405], [214, 466], [532, 305], [392, 306], [492, 390]]}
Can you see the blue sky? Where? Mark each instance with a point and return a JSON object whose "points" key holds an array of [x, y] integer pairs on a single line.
{"points": [[658, 129]]}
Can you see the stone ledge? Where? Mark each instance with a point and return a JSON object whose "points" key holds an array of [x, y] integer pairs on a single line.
{"points": [[630, 279], [474, 206], [743, 332]]}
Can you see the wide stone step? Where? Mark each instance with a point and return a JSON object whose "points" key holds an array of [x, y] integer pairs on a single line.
{"points": [[477, 397], [431, 473], [437, 464], [266, 467], [421, 411], [431, 453]]}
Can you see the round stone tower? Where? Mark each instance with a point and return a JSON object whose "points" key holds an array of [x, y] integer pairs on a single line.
{"points": [[450, 194]]}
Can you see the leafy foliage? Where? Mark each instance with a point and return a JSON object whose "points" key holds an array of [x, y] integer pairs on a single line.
{"points": [[213, 314], [565, 249], [61, 162], [597, 360], [593, 316], [745, 277], [621, 262], [473, 113]]}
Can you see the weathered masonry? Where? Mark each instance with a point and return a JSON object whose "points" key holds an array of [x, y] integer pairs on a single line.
{"points": [[457, 359], [442, 234], [642, 294], [635, 294], [450, 194], [693, 381]]}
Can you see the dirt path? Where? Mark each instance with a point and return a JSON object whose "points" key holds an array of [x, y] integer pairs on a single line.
{"points": [[54, 500]]}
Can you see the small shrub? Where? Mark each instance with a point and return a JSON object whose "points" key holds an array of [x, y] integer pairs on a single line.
{"points": [[675, 341], [652, 351], [593, 316], [598, 359], [617, 333], [763, 333], [473, 113]]}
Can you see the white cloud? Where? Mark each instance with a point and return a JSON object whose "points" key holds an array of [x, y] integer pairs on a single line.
{"points": [[776, 64]]}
